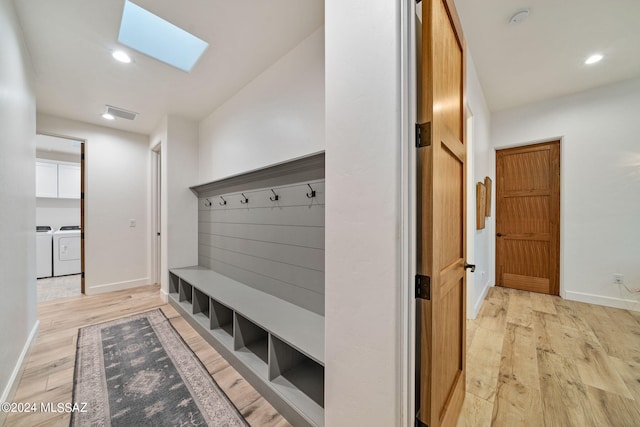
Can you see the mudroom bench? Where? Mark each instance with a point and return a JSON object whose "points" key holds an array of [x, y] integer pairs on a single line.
{"points": [[276, 345]]}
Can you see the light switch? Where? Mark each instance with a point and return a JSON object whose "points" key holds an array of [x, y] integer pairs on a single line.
{"points": [[132, 223]]}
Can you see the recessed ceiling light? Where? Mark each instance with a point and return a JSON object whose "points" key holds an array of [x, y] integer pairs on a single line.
{"points": [[519, 16], [593, 59], [148, 33], [121, 56], [107, 116]]}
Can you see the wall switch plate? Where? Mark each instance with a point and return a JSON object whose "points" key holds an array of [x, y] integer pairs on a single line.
{"points": [[132, 223], [618, 279]]}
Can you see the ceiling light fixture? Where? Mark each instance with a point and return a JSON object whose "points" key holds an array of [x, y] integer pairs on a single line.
{"points": [[121, 56], [519, 16], [593, 59], [108, 116]]}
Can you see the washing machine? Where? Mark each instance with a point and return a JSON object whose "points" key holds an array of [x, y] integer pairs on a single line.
{"points": [[44, 251], [66, 250]]}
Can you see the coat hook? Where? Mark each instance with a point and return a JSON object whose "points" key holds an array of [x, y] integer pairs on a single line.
{"points": [[224, 202], [312, 194], [245, 201], [207, 203], [275, 196]]}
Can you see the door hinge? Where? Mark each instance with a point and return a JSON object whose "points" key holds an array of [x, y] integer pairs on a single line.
{"points": [[82, 235], [82, 275], [423, 287], [82, 195], [82, 156], [423, 134]]}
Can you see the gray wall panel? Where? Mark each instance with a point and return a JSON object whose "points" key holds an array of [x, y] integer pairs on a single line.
{"points": [[312, 237], [274, 246]]}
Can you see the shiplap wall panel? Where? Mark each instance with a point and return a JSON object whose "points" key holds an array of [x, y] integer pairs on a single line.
{"points": [[273, 246], [312, 237], [302, 256]]}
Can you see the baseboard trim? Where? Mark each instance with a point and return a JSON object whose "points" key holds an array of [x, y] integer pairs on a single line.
{"points": [[164, 295], [10, 390], [478, 304], [625, 304], [118, 286]]}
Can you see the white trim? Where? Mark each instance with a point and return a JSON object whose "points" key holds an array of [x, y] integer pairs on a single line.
{"points": [[625, 304], [483, 295], [164, 296], [408, 103], [12, 385], [117, 286]]}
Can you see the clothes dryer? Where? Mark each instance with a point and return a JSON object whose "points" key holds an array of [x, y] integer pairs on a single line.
{"points": [[66, 251]]}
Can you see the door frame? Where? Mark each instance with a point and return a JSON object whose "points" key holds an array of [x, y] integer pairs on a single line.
{"points": [[496, 148], [83, 191], [155, 213]]}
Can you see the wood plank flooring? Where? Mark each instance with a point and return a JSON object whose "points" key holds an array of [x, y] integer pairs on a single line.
{"points": [[533, 360], [539, 360], [48, 375]]}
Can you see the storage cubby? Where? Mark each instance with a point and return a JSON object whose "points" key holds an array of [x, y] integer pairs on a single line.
{"points": [[174, 283], [288, 367], [249, 336], [201, 306], [221, 317], [275, 345], [186, 292]]}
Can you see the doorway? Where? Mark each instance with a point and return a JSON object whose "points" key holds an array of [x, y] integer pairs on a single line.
{"points": [[528, 218], [156, 214], [59, 216]]}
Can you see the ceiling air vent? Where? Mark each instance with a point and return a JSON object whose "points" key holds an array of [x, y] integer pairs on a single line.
{"points": [[119, 112]]}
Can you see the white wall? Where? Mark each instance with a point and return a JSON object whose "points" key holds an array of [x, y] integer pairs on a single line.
{"points": [[600, 185], [363, 379], [116, 190], [178, 139], [17, 201], [483, 241], [276, 117]]}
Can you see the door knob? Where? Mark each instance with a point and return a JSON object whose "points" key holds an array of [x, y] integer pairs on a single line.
{"points": [[499, 234], [470, 266]]}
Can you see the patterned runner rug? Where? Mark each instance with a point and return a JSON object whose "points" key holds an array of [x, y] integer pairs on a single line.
{"points": [[138, 371]]}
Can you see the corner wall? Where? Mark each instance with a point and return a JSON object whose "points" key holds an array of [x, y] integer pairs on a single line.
{"points": [[18, 315], [364, 217], [277, 117], [478, 283], [116, 190], [600, 185], [178, 139]]}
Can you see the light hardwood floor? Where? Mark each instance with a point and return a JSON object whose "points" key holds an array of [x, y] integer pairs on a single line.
{"points": [[48, 375], [539, 360], [533, 360]]}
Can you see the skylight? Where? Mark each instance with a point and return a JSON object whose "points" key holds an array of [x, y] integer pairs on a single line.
{"points": [[148, 33]]}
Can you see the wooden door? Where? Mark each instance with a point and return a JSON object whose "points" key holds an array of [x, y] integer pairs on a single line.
{"points": [[528, 218], [441, 156]]}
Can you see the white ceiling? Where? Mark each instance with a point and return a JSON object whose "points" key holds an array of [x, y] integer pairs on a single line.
{"points": [[70, 42], [543, 57]]}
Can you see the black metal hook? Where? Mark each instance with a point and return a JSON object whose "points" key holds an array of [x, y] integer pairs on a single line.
{"points": [[312, 194], [207, 203], [275, 196], [224, 202], [246, 199]]}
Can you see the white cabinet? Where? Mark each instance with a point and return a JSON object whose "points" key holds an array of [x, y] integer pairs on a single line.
{"points": [[68, 181], [57, 179], [46, 179]]}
